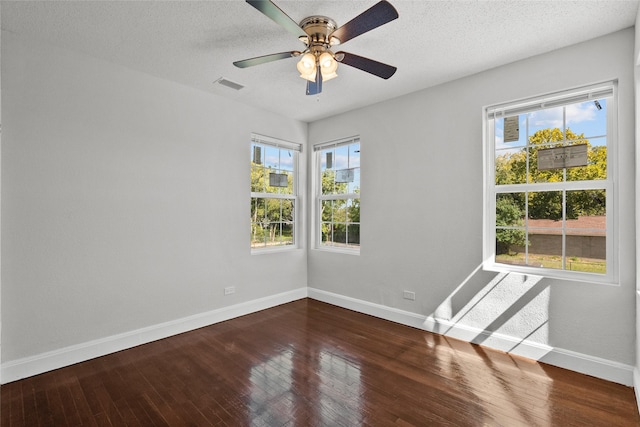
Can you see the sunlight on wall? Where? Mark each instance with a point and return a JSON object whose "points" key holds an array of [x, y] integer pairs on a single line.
{"points": [[510, 304]]}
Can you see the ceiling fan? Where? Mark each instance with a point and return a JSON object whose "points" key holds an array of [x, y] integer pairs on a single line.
{"points": [[319, 33]]}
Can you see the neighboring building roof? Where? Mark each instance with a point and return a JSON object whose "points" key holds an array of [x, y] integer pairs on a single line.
{"points": [[583, 226]]}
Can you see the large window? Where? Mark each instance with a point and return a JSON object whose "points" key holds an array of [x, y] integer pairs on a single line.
{"points": [[549, 189], [337, 186], [274, 201]]}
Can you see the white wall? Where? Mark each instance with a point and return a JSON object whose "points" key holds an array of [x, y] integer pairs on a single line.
{"points": [[116, 189], [422, 212], [124, 201]]}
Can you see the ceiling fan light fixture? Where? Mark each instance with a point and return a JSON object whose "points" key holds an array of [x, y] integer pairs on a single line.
{"points": [[307, 66], [328, 76], [328, 66]]}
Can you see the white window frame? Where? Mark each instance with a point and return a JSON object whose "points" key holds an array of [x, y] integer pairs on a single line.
{"points": [[593, 92], [316, 234], [297, 233]]}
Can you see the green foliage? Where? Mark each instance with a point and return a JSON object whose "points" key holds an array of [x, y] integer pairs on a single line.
{"points": [[508, 213], [511, 168]]}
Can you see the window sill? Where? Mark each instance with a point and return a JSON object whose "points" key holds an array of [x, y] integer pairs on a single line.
{"points": [[338, 250], [548, 273], [274, 250]]}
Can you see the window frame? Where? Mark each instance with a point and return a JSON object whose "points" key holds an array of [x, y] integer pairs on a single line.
{"points": [[606, 90], [317, 222], [295, 196]]}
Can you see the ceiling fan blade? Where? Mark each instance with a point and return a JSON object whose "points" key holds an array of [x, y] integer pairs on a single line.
{"points": [[365, 64], [314, 88], [276, 14], [264, 59], [379, 14]]}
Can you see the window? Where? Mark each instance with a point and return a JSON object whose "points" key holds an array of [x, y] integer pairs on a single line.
{"points": [[274, 200], [337, 186], [549, 189]]}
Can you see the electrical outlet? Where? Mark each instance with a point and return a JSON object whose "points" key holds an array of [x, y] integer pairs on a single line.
{"points": [[409, 295], [229, 290]]}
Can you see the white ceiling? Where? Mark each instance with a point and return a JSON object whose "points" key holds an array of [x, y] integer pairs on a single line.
{"points": [[195, 42]]}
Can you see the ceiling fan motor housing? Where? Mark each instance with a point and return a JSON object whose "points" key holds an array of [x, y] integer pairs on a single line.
{"points": [[319, 29]]}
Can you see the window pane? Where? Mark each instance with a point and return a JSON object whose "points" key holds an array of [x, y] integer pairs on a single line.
{"points": [[586, 203], [545, 248], [287, 160], [544, 205], [545, 175], [510, 234], [511, 166], [257, 209], [353, 234], [353, 210], [354, 155], [287, 210], [327, 210], [274, 207], [257, 222], [550, 118], [586, 120], [257, 236], [340, 234], [513, 255], [272, 157], [339, 211], [586, 231], [354, 186], [586, 252], [257, 179], [596, 168], [510, 209], [286, 237], [343, 177], [327, 233], [341, 157]]}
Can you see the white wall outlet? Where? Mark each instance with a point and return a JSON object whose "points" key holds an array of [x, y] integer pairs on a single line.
{"points": [[230, 290], [409, 295]]}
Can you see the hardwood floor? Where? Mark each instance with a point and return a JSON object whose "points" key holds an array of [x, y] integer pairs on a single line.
{"points": [[308, 363]]}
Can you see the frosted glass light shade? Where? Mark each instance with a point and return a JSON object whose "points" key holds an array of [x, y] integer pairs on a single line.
{"points": [[307, 66]]}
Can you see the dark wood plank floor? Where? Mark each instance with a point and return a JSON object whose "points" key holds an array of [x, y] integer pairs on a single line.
{"points": [[312, 364]]}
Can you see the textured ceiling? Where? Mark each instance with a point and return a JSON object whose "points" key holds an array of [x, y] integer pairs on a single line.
{"points": [[195, 42]]}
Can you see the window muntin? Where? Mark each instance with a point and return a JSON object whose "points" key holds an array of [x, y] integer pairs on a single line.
{"points": [[274, 166], [338, 195], [553, 222]]}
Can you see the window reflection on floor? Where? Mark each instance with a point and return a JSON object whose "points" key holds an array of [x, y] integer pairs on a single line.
{"points": [[331, 391]]}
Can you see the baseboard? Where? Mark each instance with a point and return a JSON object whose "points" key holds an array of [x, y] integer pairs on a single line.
{"points": [[636, 385], [578, 362], [34, 365]]}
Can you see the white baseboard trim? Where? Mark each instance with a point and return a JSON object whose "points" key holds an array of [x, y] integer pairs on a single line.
{"points": [[590, 365], [34, 365], [636, 386]]}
